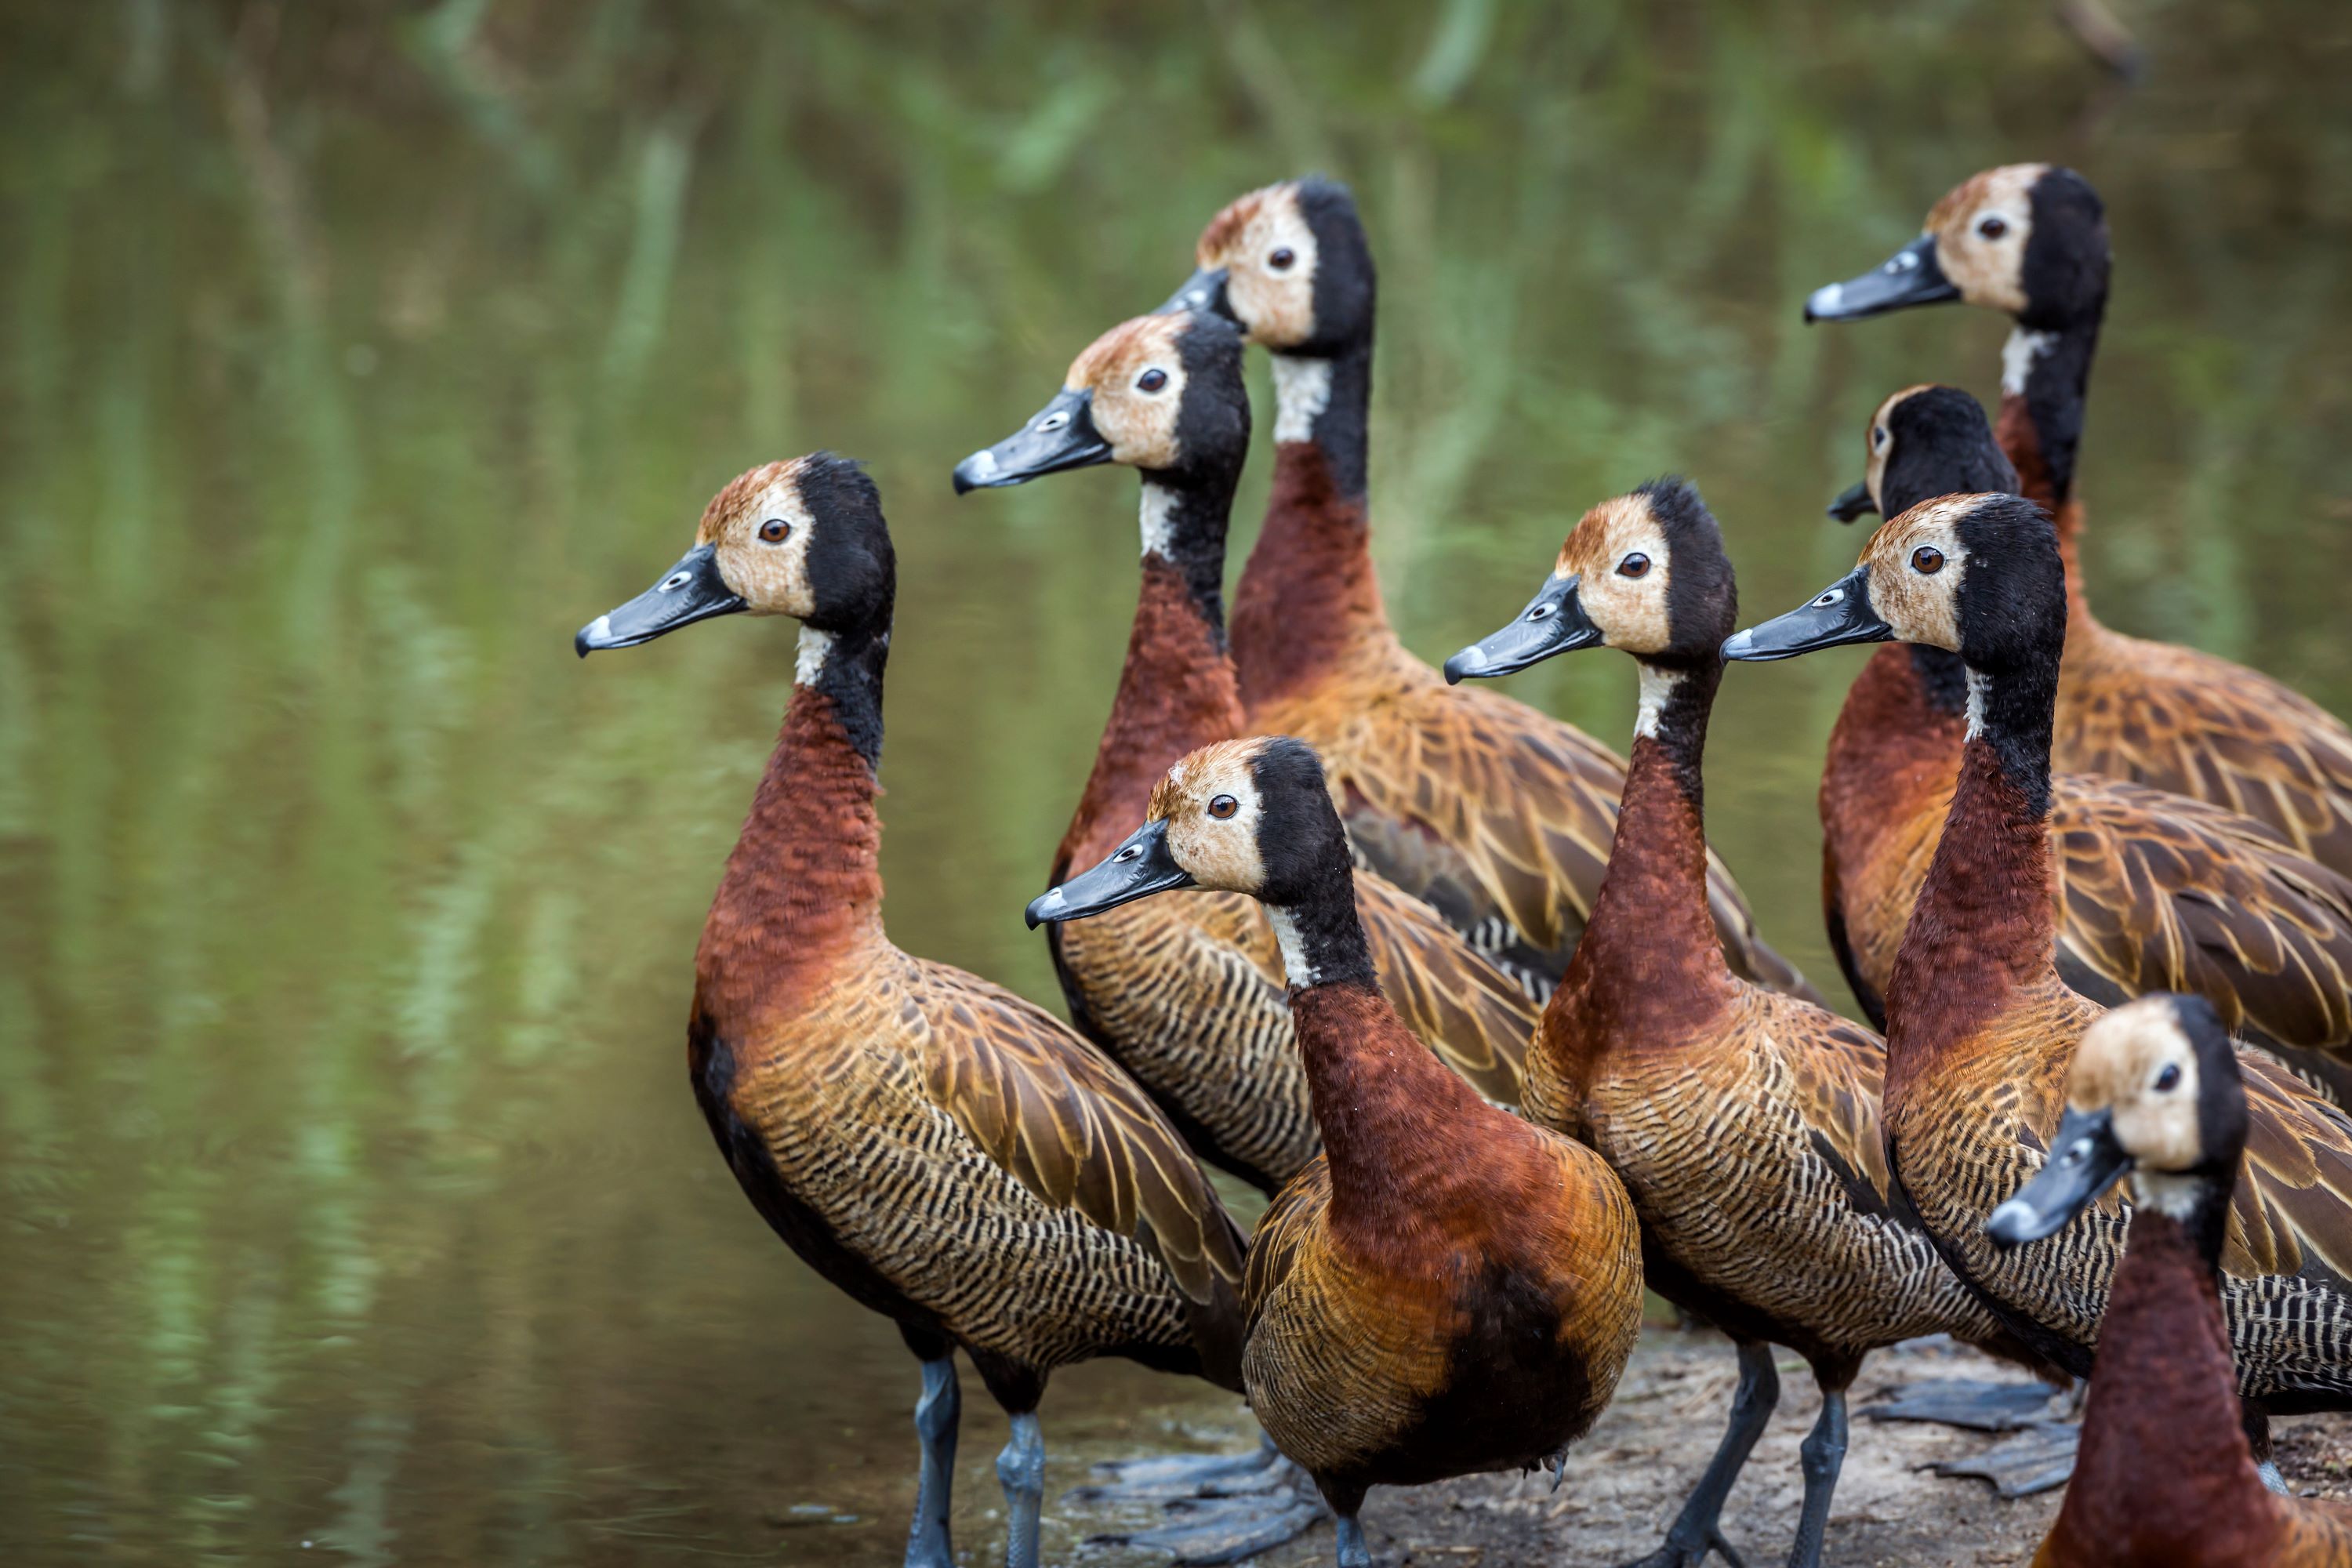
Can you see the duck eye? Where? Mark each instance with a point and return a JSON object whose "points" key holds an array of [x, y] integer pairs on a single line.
{"points": [[1282, 258], [1151, 380], [1634, 565], [775, 530], [1992, 227], [1927, 561], [1223, 807], [2168, 1079], [1878, 438]]}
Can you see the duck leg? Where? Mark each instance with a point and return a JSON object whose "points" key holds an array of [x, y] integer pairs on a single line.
{"points": [[937, 1414], [1353, 1552], [1020, 1467], [1823, 1454], [1696, 1530]]}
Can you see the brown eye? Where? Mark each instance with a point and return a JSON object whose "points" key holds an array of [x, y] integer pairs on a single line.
{"points": [[1223, 807], [1992, 227], [1634, 565], [775, 530], [1927, 561], [1282, 258], [1151, 380], [2168, 1079]]}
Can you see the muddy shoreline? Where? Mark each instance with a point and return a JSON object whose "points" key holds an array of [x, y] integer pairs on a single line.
{"points": [[1624, 1481]]}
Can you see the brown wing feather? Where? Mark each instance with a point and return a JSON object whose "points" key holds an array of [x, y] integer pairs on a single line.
{"points": [[2159, 892], [2292, 1208], [1463, 795], [1462, 1005], [1070, 1127], [1188, 993], [2181, 719]]}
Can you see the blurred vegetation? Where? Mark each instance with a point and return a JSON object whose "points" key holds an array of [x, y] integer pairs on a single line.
{"points": [[354, 354]]}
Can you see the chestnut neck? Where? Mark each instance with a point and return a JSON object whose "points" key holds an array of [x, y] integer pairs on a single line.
{"points": [[1177, 692], [1981, 931], [804, 885], [2045, 392], [1308, 594], [1649, 969], [1896, 748], [2164, 1396], [1392, 1117]]}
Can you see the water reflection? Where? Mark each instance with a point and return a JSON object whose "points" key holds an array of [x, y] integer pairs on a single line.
{"points": [[353, 355]]}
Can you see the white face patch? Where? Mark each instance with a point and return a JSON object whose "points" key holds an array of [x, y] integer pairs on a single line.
{"points": [[1159, 519], [1302, 390], [1276, 304], [771, 579], [1294, 952], [1922, 606], [1657, 685], [2017, 357], [808, 662]]}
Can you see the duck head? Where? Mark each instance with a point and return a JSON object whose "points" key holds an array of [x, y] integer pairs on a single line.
{"points": [[1923, 442], [1644, 572], [804, 539], [1248, 816], [1977, 575], [2155, 1091], [2027, 239], [1290, 265], [1162, 392]]}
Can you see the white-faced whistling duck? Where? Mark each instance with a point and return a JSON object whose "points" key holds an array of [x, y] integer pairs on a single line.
{"points": [[2031, 240], [2153, 891], [945, 1153], [2164, 1478], [1743, 1122], [1186, 993], [1496, 814], [1448, 1288], [1981, 1027]]}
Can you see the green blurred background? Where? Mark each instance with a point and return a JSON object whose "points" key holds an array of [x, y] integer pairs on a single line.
{"points": [[350, 1193]]}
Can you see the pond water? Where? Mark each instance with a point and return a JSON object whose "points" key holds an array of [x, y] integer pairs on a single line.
{"points": [[352, 1197]]}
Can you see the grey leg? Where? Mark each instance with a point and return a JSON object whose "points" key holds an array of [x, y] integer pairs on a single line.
{"points": [[1353, 1552], [1022, 1467], [1823, 1454], [1695, 1529], [936, 1415]]}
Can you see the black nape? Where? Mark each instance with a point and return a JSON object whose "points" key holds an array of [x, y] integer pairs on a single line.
{"points": [[853, 570], [1346, 286], [2012, 619], [1941, 445], [1702, 595], [1307, 870]]}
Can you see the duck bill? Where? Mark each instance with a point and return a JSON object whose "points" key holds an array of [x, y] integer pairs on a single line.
{"points": [[1553, 622], [2084, 1162], [1909, 276], [1063, 436], [688, 592], [1853, 502], [1838, 615], [1136, 869], [1205, 292]]}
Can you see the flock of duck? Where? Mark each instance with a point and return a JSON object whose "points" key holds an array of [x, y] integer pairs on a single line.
{"points": [[1466, 995]]}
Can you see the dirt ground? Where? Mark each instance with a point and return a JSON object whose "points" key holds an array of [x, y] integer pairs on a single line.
{"points": [[1624, 1481]]}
